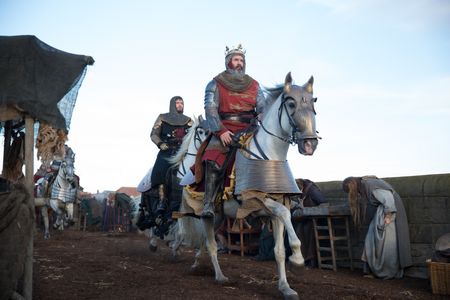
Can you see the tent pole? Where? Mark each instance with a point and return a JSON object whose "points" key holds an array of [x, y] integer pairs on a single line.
{"points": [[7, 145], [29, 159]]}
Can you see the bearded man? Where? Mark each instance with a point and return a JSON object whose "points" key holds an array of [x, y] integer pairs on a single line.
{"points": [[167, 134], [232, 101]]}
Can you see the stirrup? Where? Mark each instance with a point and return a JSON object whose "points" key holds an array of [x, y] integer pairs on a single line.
{"points": [[162, 207], [208, 212]]}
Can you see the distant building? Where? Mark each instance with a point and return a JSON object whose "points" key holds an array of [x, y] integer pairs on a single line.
{"points": [[130, 191], [85, 194]]}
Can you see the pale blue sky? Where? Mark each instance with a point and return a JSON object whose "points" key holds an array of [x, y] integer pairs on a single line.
{"points": [[381, 68]]}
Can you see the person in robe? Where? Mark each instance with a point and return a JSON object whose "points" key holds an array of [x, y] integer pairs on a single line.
{"points": [[386, 250], [311, 196]]}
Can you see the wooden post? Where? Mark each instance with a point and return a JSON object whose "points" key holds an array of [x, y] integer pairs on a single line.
{"points": [[29, 159], [7, 145]]}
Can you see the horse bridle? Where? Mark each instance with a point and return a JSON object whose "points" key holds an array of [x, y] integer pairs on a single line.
{"points": [[292, 139], [196, 139], [63, 166]]}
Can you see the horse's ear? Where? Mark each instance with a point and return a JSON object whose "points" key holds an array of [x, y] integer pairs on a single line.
{"points": [[309, 85], [200, 119], [288, 83]]}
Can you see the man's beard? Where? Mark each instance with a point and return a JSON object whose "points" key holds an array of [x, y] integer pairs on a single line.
{"points": [[238, 73]]}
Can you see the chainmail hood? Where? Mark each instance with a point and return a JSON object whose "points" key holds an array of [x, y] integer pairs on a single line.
{"points": [[173, 117], [234, 81]]}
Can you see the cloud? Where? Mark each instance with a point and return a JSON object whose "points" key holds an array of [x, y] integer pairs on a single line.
{"points": [[404, 14], [429, 98]]}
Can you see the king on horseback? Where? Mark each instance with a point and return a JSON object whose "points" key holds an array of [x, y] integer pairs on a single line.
{"points": [[261, 182], [232, 101]]}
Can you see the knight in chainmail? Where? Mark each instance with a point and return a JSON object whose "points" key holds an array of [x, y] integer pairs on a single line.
{"points": [[232, 101], [167, 134]]}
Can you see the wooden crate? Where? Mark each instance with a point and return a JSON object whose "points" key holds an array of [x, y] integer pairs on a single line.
{"points": [[439, 277]]}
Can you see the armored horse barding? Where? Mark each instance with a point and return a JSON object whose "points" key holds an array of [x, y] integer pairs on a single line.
{"points": [[59, 194], [263, 176]]}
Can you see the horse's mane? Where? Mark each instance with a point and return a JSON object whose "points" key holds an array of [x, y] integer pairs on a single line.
{"points": [[179, 156], [272, 95]]}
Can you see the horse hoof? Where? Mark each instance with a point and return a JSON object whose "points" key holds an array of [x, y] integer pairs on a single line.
{"points": [[291, 297], [152, 248], [297, 262], [222, 280], [296, 268], [46, 236]]}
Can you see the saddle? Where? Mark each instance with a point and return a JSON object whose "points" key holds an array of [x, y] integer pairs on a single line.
{"points": [[43, 184], [239, 139]]}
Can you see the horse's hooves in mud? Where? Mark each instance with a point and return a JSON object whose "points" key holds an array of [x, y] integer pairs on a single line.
{"points": [[46, 236], [296, 269], [296, 261], [152, 248], [291, 297], [227, 282]]}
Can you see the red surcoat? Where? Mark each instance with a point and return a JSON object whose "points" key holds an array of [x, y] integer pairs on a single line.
{"points": [[231, 102], [235, 103]]}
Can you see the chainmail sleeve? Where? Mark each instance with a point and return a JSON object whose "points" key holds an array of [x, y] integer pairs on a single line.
{"points": [[212, 107], [156, 132], [260, 100]]}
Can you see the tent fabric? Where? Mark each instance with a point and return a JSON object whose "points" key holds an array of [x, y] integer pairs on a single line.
{"points": [[36, 77], [16, 231]]}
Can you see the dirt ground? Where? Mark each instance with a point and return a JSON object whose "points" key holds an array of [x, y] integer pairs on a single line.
{"points": [[98, 265]]}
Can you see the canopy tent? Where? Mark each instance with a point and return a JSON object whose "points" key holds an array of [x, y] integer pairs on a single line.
{"points": [[37, 78], [38, 83]]}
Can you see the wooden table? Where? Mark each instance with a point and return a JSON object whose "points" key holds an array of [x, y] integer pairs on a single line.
{"points": [[331, 231]]}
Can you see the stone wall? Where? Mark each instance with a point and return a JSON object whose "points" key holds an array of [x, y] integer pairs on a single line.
{"points": [[427, 202]]}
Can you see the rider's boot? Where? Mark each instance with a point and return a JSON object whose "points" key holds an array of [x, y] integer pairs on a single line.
{"points": [[141, 219], [213, 187], [162, 204]]}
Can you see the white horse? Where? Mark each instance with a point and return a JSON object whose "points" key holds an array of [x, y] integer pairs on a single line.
{"points": [[60, 195], [182, 160], [289, 117]]}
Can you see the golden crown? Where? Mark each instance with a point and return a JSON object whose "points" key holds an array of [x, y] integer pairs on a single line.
{"points": [[235, 50]]}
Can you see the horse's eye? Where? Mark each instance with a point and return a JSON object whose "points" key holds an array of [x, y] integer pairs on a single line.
{"points": [[291, 104]]}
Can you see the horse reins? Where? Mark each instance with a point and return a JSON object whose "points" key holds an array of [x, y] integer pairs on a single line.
{"points": [[196, 139], [291, 139]]}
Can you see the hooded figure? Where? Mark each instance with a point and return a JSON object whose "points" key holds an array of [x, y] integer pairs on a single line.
{"points": [[387, 246], [167, 133]]}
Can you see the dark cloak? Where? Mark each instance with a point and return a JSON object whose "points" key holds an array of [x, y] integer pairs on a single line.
{"points": [[312, 196]]}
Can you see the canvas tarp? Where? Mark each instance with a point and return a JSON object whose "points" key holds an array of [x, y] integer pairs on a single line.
{"points": [[35, 77]]}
